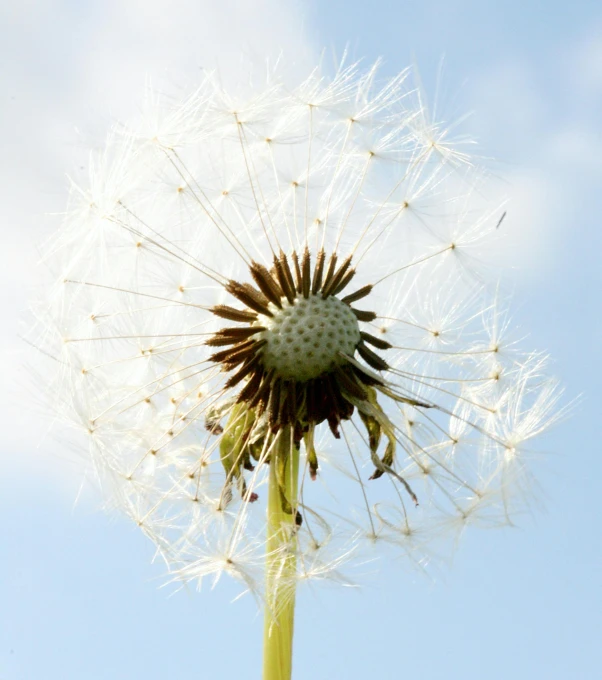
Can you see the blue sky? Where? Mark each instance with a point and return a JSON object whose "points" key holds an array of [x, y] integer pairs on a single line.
{"points": [[78, 593]]}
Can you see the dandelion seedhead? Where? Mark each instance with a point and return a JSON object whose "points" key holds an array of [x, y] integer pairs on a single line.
{"points": [[279, 289]]}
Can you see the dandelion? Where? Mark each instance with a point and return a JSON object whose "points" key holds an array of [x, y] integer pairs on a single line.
{"points": [[271, 328]]}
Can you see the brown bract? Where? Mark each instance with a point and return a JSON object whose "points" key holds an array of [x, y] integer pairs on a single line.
{"points": [[298, 403]]}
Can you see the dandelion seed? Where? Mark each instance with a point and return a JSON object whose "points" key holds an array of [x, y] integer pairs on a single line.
{"points": [[267, 304]]}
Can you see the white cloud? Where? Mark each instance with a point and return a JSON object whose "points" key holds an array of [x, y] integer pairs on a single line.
{"points": [[549, 148], [586, 63], [578, 148], [508, 95]]}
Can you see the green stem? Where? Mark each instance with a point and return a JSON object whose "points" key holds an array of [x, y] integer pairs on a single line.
{"points": [[281, 562]]}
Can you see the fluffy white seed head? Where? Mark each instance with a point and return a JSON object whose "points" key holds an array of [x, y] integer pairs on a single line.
{"points": [[432, 402]]}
